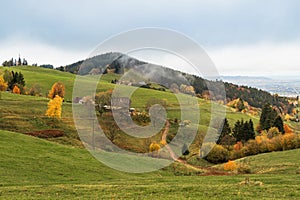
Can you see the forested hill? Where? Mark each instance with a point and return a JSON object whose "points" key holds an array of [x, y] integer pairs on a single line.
{"points": [[118, 63]]}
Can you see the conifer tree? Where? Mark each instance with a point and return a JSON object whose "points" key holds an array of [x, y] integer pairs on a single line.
{"points": [[279, 124], [267, 117], [226, 130]]}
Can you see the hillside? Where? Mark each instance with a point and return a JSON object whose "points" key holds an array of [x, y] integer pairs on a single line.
{"points": [[45, 78], [120, 63], [18, 118], [32, 168]]}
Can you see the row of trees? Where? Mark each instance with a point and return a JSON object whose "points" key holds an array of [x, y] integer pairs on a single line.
{"points": [[273, 135], [12, 81], [14, 62], [265, 142], [242, 132]]}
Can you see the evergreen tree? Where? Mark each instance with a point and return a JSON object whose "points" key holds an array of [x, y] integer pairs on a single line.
{"points": [[250, 131], [279, 124], [237, 130], [20, 79], [267, 117], [226, 130], [243, 131]]}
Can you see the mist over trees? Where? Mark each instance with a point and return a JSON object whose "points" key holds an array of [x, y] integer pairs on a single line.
{"points": [[118, 63]]}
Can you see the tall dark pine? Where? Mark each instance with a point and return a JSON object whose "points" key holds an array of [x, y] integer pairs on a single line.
{"points": [[226, 130], [279, 124], [267, 117], [250, 131], [237, 130], [243, 131]]}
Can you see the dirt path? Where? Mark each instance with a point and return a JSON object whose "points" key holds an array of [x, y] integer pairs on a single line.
{"points": [[164, 140], [207, 170], [172, 154]]}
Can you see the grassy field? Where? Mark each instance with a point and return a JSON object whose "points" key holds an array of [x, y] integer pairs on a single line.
{"points": [[32, 168], [17, 117]]}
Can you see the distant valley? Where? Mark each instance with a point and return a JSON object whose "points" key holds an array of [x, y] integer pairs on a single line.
{"points": [[283, 86]]}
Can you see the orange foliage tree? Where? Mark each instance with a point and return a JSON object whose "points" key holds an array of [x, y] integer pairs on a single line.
{"points": [[54, 107], [238, 146], [230, 166], [287, 129], [57, 89], [16, 90]]}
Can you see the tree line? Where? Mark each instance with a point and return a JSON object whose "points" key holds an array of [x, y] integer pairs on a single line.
{"points": [[241, 140]]}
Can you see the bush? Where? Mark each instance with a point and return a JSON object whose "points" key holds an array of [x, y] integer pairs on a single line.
{"points": [[35, 90], [275, 144], [218, 154], [252, 147], [289, 141], [272, 132], [243, 168], [262, 142], [47, 134], [230, 166]]}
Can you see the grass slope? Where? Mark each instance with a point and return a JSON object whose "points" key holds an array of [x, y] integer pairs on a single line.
{"points": [[45, 78], [17, 117], [32, 168], [282, 162]]}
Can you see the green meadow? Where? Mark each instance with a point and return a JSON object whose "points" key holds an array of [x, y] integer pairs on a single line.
{"points": [[60, 168]]}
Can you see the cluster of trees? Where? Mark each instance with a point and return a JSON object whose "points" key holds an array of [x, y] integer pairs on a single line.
{"points": [[47, 66], [237, 104], [265, 142], [116, 62], [14, 62], [12, 81], [273, 135], [186, 89], [270, 118], [172, 79], [15, 82], [242, 132]]}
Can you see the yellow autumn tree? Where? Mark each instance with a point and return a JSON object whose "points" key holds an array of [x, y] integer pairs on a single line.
{"points": [[154, 148], [16, 90], [54, 107], [57, 89], [3, 84]]}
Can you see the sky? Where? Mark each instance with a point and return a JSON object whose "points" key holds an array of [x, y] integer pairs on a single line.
{"points": [[242, 37]]}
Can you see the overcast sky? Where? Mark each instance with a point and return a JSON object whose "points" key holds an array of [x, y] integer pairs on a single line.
{"points": [[243, 37]]}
